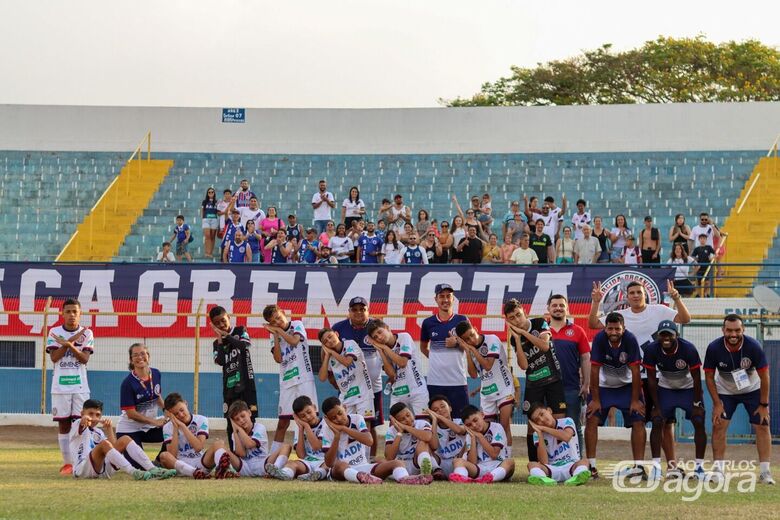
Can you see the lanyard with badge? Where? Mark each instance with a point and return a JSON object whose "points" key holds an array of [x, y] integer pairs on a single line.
{"points": [[740, 375]]}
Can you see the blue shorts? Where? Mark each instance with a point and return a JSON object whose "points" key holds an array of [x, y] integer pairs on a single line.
{"points": [[669, 400], [749, 400], [457, 395], [619, 398]]}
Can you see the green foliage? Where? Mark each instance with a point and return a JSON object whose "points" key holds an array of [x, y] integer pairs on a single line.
{"points": [[665, 70]]}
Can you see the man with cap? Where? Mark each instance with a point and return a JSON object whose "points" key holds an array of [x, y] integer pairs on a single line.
{"points": [[446, 359], [354, 328], [400, 214], [678, 385]]}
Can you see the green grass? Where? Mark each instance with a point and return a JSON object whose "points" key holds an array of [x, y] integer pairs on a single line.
{"points": [[31, 488]]}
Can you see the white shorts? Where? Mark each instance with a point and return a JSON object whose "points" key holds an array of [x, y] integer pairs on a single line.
{"points": [[312, 465], [195, 462], [487, 467], [560, 473], [85, 469], [364, 408], [491, 404], [367, 468], [210, 223], [411, 467], [67, 406], [416, 401], [254, 467], [290, 394]]}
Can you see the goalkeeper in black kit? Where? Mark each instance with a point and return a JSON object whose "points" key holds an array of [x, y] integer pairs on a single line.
{"points": [[231, 352]]}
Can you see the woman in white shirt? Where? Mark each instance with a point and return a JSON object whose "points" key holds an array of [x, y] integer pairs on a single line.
{"points": [[683, 264], [352, 208], [458, 232], [618, 236], [341, 245], [391, 250]]}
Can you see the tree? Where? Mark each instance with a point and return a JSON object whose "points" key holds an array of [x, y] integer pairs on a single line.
{"points": [[665, 70]]}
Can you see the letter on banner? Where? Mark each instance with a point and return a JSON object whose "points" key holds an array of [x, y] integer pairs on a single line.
{"points": [[548, 284], [261, 296], [396, 288], [28, 286], [95, 295], [428, 285], [169, 279], [222, 295], [319, 296], [496, 284], [3, 315]]}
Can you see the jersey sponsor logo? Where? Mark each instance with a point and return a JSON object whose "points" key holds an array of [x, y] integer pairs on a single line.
{"points": [[70, 380], [290, 374], [615, 292], [680, 363], [492, 389], [352, 392]]}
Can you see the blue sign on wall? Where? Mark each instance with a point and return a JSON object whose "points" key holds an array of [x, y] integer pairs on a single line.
{"points": [[233, 115]]}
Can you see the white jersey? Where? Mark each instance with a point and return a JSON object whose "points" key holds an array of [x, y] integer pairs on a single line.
{"points": [[323, 211], [498, 380], [450, 443], [496, 436], [561, 453], [257, 215], [198, 425], [351, 451], [260, 448], [311, 454], [81, 444], [296, 365], [408, 443], [409, 379], [70, 375], [354, 381], [578, 222]]}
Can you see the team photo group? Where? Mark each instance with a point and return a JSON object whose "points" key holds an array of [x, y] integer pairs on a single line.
{"points": [[636, 364]]}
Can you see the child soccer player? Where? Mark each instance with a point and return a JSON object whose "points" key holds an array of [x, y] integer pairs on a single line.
{"points": [[308, 445], [557, 450], [99, 454], [182, 235], [184, 440], [344, 440], [484, 463], [296, 375], [69, 347], [345, 365], [408, 440], [449, 435], [403, 363], [231, 352], [250, 444], [488, 360]]}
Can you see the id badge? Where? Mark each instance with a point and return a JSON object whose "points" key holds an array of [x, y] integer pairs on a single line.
{"points": [[741, 379]]}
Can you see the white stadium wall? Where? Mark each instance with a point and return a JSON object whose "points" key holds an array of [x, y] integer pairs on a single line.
{"points": [[614, 128]]}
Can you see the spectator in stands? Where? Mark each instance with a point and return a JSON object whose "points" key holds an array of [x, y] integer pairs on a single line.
{"points": [[579, 219], [400, 214], [507, 248], [294, 230], [471, 247], [355, 231], [231, 226], [445, 239], [682, 262], [470, 216], [516, 228], [458, 232], [485, 216], [703, 254], [587, 250], [322, 202], [491, 252], [550, 220], [385, 215], [251, 212], [413, 253], [271, 223], [680, 233], [224, 213], [524, 255], [330, 232], [558, 213], [706, 228], [542, 244], [326, 257], [509, 216], [369, 246], [280, 248], [618, 236], [719, 245], [244, 195], [631, 254], [255, 241], [391, 250], [183, 236], [352, 208], [531, 208], [238, 250], [210, 221], [405, 233], [650, 243], [564, 249], [433, 248], [602, 235], [342, 246], [435, 227], [423, 223], [166, 256], [381, 229], [308, 250]]}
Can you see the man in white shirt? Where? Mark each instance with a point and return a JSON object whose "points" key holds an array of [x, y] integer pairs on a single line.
{"points": [[524, 255], [322, 202], [704, 227], [580, 219], [399, 214]]}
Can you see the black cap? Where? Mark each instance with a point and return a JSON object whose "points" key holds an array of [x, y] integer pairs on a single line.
{"points": [[443, 287], [358, 300], [667, 326]]}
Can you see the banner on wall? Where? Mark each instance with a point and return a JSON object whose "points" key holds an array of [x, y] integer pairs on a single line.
{"points": [[140, 300]]}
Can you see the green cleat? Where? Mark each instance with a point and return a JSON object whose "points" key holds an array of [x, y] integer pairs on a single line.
{"points": [[578, 479], [142, 475], [541, 481], [426, 467]]}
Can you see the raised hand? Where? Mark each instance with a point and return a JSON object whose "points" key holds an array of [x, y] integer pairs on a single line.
{"points": [[595, 294]]}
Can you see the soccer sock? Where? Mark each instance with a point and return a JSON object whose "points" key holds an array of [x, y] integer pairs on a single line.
{"points": [[399, 473], [463, 472], [289, 472], [699, 462], [218, 455], [281, 460], [764, 467], [499, 473], [275, 446], [138, 455], [351, 475], [184, 469], [657, 462], [592, 462], [62, 440], [579, 469], [117, 460], [537, 472]]}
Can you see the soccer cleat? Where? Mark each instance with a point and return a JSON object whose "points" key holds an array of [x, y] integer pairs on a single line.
{"points": [[438, 474], [367, 478], [162, 473], [655, 474], [199, 474], [634, 472], [766, 478], [426, 467], [487, 478], [674, 473], [416, 480], [66, 469], [715, 476], [313, 476], [455, 477], [231, 473], [223, 466], [275, 472], [578, 479], [541, 481], [698, 474], [142, 475], [594, 473]]}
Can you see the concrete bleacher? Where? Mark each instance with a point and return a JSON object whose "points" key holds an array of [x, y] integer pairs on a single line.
{"points": [[660, 184]]}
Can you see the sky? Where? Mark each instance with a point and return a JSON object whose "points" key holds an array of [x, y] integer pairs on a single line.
{"points": [[322, 53]]}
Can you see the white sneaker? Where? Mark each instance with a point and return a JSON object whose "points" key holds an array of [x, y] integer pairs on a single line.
{"points": [[655, 474], [766, 478]]}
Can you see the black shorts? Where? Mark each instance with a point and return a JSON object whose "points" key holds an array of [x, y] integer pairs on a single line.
{"points": [[649, 403], [551, 394], [379, 412]]}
